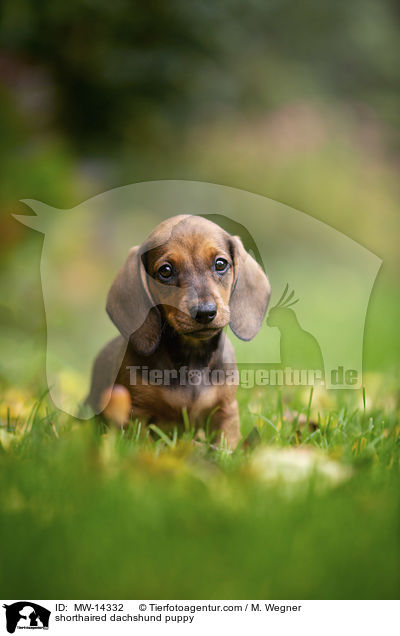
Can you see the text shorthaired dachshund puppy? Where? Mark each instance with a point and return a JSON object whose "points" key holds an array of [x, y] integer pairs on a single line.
{"points": [[171, 301]]}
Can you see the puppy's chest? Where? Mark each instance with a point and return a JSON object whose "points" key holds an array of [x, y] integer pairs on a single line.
{"points": [[166, 401]]}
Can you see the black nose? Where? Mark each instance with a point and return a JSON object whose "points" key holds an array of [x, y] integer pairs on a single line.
{"points": [[204, 312]]}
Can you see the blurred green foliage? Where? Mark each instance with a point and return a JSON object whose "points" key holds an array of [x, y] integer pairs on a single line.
{"points": [[125, 71]]}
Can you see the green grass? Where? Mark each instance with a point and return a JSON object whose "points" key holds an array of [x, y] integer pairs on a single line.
{"points": [[93, 512]]}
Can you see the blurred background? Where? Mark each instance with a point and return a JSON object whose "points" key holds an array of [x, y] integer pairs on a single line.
{"points": [[295, 101]]}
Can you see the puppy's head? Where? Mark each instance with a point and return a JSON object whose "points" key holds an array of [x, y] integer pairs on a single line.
{"points": [[194, 275]]}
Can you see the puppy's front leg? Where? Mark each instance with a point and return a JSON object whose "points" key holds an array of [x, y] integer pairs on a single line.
{"points": [[226, 421]]}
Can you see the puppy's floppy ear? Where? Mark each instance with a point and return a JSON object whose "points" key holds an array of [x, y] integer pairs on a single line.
{"points": [[130, 306], [250, 295]]}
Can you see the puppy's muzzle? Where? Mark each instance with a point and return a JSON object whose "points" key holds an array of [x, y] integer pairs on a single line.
{"points": [[204, 313]]}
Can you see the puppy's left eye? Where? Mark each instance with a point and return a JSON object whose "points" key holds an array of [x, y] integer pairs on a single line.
{"points": [[165, 272], [221, 265]]}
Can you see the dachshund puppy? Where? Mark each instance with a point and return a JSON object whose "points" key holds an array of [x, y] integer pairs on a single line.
{"points": [[171, 301]]}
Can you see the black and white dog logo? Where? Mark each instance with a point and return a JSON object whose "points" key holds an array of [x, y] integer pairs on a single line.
{"points": [[26, 615]]}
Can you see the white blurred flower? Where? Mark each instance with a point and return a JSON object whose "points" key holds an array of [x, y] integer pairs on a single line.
{"points": [[295, 466]]}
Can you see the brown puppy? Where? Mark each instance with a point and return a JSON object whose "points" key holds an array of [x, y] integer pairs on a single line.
{"points": [[170, 301]]}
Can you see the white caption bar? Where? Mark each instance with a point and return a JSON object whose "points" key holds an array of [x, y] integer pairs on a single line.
{"points": [[154, 617]]}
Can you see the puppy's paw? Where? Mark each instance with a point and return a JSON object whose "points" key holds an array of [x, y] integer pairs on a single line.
{"points": [[116, 404]]}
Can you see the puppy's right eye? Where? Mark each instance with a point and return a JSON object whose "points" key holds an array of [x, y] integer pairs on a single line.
{"points": [[165, 272]]}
